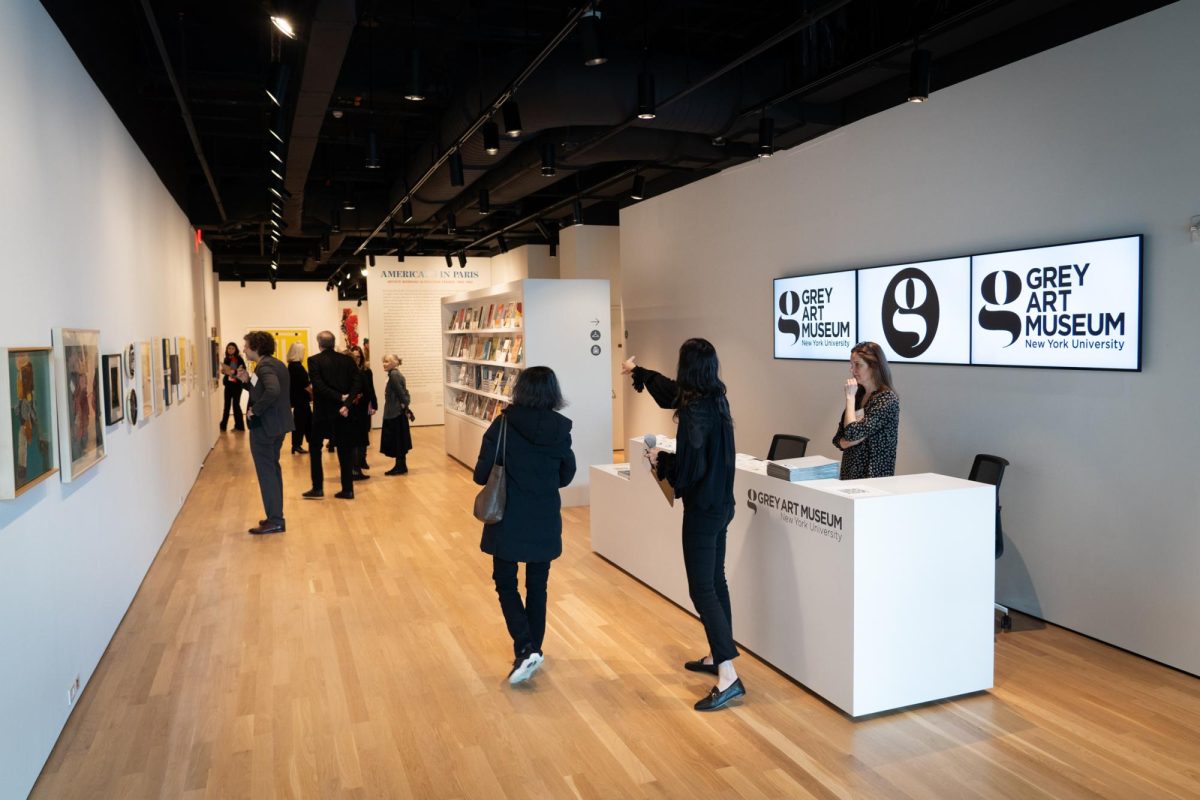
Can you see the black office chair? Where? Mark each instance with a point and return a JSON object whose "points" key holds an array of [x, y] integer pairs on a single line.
{"points": [[990, 470], [787, 445]]}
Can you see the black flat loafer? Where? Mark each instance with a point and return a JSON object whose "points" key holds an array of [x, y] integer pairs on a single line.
{"points": [[268, 528], [716, 699], [700, 666]]}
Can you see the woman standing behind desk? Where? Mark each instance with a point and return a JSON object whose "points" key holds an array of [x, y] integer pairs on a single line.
{"points": [[869, 429], [701, 471]]}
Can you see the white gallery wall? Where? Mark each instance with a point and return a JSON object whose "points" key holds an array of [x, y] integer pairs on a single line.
{"points": [[299, 304], [1093, 139], [92, 240]]}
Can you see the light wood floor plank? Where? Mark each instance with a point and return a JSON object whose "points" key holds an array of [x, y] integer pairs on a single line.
{"points": [[362, 654]]}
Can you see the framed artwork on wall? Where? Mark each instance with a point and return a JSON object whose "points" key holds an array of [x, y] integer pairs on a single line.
{"points": [[173, 362], [114, 389], [28, 448], [132, 387], [164, 370], [145, 379], [77, 394]]}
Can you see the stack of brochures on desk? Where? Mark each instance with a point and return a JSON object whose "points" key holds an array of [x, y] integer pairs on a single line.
{"points": [[808, 468]]}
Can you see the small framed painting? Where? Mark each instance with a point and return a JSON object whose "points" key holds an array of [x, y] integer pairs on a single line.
{"points": [[144, 372], [114, 389], [28, 449], [77, 394], [164, 348]]}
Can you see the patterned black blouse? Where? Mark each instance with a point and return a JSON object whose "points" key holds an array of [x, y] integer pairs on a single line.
{"points": [[875, 456]]}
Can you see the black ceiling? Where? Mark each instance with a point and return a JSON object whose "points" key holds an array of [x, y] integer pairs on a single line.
{"points": [[719, 66]]}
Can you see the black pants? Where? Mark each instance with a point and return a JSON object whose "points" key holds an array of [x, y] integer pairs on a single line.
{"points": [[264, 450], [526, 622], [302, 419], [345, 455], [704, 560], [233, 397]]}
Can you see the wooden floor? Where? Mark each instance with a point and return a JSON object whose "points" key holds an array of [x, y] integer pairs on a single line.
{"points": [[362, 654]]}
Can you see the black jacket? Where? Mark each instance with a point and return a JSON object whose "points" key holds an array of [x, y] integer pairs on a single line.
{"points": [[537, 461], [702, 467], [269, 389], [333, 375], [299, 377]]}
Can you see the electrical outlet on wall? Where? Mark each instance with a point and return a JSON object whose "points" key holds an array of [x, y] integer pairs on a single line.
{"points": [[73, 692]]}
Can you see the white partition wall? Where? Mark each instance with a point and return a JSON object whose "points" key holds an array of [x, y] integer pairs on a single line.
{"points": [[93, 240], [1093, 139]]}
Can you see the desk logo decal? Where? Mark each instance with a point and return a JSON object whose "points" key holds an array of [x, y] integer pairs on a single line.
{"points": [[799, 515]]}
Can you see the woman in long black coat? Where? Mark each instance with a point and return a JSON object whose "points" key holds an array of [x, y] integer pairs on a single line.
{"points": [[301, 398], [361, 412], [701, 472], [395, 440], [537, 459]]}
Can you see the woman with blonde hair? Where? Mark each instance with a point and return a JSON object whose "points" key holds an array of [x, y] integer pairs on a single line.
{"points": [[395, 439], [300, 394]]}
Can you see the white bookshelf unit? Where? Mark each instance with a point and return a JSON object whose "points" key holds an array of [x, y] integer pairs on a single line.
{"points": [[561, 324]]}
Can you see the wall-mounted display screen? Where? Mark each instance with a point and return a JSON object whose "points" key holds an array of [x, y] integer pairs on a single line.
{"points": [[1068, 306], [815, 316], [918, 312]]}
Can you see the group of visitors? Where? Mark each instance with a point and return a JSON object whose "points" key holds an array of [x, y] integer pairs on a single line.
{"points": [[531, 442]]}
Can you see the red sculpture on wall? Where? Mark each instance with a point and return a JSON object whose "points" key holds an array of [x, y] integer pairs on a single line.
{"points": [[350, 327]]}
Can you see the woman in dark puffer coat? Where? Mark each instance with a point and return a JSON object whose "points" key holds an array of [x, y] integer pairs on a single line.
{"points": [[534, 443]]}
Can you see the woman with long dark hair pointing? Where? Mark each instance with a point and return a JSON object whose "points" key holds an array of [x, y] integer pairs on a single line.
{"points": [[701, 472]]}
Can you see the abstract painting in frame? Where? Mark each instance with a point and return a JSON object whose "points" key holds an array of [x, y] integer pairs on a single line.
{"points": [[114, 389], [164, 348], [28, 452], [77, 393], [145, 378], [173, 362]]}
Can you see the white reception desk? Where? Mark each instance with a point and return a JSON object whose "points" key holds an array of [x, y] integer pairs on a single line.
{"points": [[875, 594]]}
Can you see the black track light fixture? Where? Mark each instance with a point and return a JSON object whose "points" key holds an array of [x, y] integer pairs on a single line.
{"points": [[415, 90], [462, 259], [400, 253], [576, 212], [456, 169], [766, 137], [645, 108], [335, 220], [589, 39], [548, 159], [451, 223], [372, 161], [348, 204], [491, 138], [511, 114], [370, 259], [503, 243], [639, 188], [918, 76], [485, 203], [363, 271], [406, 212], [449, 261]]}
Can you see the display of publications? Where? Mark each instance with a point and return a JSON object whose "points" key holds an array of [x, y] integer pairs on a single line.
{"points": [[485, 350]]}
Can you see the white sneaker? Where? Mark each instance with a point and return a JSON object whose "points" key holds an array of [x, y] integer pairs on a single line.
{"points": [[523, 668]]}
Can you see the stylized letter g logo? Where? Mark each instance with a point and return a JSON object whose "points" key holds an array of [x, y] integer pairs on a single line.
{"points": [[1000, 288], [789, 304], [910, 312]]}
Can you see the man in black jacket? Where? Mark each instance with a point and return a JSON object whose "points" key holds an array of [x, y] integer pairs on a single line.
{"points": [[335, 382], [269, 419]]}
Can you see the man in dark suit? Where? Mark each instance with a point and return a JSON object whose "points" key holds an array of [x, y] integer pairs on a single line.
{"points": [[269, 417], [335, 383]]}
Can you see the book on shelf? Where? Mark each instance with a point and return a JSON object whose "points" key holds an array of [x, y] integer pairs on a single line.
{"points": [[519, 318], [505, 350], [518, 349]]}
